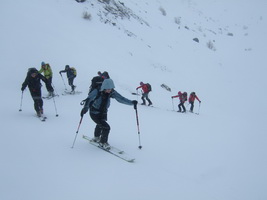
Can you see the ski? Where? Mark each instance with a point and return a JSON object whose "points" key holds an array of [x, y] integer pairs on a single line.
{"points": [[193, 112], [50, 97], [71, 93], [113, 150], [42, 118]]}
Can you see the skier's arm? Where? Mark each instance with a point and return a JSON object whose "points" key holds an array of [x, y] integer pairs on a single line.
{"points": [[24, 84], [121, 99]]}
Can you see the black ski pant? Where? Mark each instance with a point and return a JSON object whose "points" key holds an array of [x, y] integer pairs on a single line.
{"points": [[145, 96], [70, 80], [37, 99], [181, 105], [102, 128], [48, 85], [191, 106]]}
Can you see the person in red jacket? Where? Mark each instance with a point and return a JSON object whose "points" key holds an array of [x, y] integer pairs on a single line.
{"points": [[183, 98], [145, 93], [192, 98]]}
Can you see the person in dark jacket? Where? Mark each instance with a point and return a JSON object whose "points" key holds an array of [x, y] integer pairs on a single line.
{"points": [[144, 94], [183, 98], [33, 81], [98, 102], [192, 98], [71, 75]]}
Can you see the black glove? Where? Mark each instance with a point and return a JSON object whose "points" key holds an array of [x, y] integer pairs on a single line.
{"points": [[135, 104], [83, 111], [22, 89], [172, 97]]}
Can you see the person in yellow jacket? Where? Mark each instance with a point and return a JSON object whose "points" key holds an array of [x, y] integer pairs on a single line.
{"points": [[48, 74]]}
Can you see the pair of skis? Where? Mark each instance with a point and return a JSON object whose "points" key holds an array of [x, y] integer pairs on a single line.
{"points": [[42, 118], [113, 150]]}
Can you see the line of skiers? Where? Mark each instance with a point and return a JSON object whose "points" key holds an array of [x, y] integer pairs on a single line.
{"points": [[102, 89], [183, 98], [33, 81]]}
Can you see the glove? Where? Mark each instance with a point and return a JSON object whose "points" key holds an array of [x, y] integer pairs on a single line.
{"points": [[199, 101], [60, 73], [83, 111], [136, 88], [135, 104], [172, 97], [22, 89]]}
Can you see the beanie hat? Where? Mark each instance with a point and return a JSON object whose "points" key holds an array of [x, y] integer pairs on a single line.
{"points": [[107, 84], [32, 70]]}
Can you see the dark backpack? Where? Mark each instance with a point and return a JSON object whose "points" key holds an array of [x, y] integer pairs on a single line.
{"points": [[149, 88], [96, 83]]}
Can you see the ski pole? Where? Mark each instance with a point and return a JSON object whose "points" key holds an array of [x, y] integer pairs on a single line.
{"points": [[137, 121], [54, 89], [55, 105], [198, 109], [20, 109], [63, 81], [77, 131], [172, 104]]}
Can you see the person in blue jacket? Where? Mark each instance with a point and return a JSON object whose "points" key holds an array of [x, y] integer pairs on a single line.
{"points": [[98, 102]]}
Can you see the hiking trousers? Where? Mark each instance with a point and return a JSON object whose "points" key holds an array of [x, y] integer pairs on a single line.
{"points": [[37, 99], [102, 128], [145, 96]]}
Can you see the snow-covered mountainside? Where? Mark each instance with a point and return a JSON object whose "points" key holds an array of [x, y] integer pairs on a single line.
{"points": [[214, 48]]}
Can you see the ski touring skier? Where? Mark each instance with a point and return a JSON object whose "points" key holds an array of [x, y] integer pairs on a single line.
{"points": [[48, 74], [33, 81], [191, 99], [183, 98], [71, 75], [98, 102], [146, 88]]}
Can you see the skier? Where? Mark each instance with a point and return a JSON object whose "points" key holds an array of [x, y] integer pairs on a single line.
{"points": [[98, 102], [71, 75], [48, 74], [32, 80], [192, 98], [146, 89], [183, 99]]}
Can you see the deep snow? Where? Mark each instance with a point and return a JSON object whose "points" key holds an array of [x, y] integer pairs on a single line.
{"points": [[219, 154]]}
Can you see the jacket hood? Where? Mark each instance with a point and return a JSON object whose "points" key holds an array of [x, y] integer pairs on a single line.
{"points": [[107, 84]]}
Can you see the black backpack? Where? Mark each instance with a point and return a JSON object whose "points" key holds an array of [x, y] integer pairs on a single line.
{"points": [[96, 83], [149, 88]]}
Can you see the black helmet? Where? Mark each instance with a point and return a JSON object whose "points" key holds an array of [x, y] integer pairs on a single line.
{"points": [[105, 74], [67, 67]]}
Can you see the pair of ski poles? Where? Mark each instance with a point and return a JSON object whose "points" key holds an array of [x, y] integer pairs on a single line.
{"points": [[137, 121], [21, 100]]}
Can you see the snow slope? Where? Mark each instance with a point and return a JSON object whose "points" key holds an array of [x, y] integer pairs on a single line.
{"points": [[219, 154]]}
